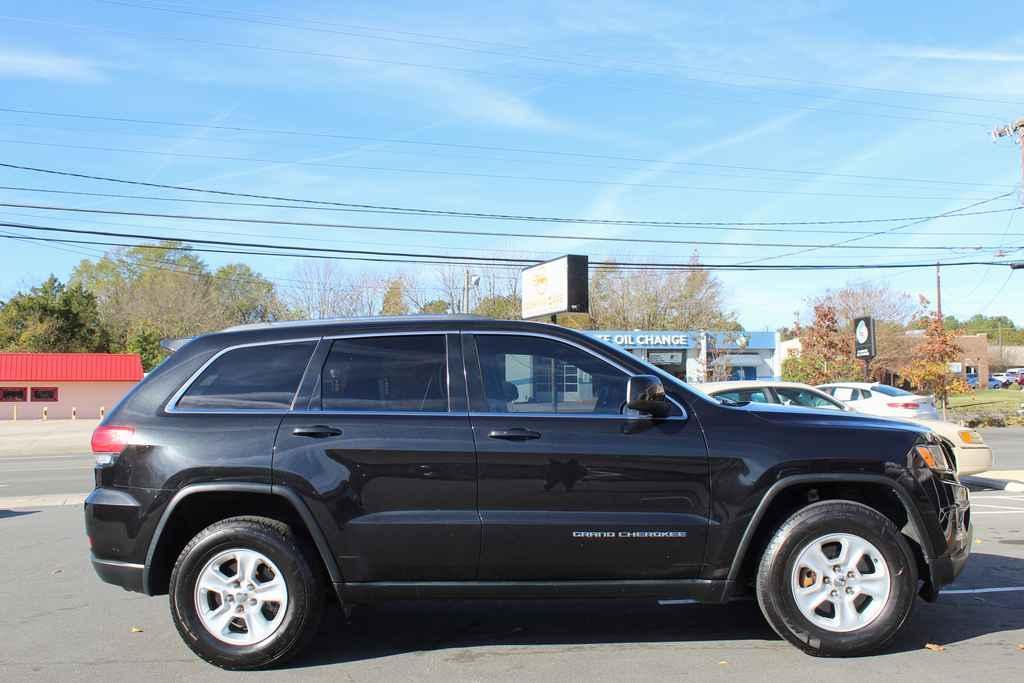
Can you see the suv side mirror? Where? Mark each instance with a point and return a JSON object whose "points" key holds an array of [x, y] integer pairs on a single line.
{"points": [[646, 394]]}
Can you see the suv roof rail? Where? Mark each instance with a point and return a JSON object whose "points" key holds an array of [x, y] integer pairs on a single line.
{"points": [[358, 319]]}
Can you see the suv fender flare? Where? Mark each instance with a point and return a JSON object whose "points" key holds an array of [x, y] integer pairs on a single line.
{"points": [[288, 494], [913, 514]]}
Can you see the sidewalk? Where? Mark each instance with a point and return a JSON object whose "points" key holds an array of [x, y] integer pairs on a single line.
{"points": [[1004, 480], [52, 437]]}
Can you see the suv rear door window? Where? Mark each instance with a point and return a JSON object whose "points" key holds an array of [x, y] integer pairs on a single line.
{"points": [[250, 378], [523, 374], [386, 373]]}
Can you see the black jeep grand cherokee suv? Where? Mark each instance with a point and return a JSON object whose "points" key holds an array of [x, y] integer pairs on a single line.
{"points": [[261, 468]]}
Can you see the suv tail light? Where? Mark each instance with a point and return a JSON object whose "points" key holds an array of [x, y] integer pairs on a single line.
{"points": [[908, 406], [108, 442]]}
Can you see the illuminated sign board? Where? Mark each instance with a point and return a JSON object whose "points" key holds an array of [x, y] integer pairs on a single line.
{"points": [[558, 286]]}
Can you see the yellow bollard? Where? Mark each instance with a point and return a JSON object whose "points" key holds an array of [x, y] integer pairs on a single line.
{"points": [[14, 412]]}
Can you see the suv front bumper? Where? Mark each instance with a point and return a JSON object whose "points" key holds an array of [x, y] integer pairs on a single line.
{"points": [[959, 531]]}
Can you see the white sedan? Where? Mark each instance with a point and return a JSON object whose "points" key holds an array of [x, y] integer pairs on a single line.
{"points": [[972, 454], [882, 399]]}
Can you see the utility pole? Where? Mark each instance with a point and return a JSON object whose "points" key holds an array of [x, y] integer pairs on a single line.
{"points": [[468, 283], [938, 293]]}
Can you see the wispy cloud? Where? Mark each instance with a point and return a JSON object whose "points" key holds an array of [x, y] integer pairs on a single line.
{"points": [[608, 203], [33, 64], [952, 54]]}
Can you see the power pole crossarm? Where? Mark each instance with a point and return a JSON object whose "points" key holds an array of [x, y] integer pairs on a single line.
{"points": [[1015, 129]]}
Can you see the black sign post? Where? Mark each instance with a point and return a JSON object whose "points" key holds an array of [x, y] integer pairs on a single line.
{"points": [[864, 339]]}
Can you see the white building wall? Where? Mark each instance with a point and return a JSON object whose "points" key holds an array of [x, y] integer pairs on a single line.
{"points": [[86, 397]]}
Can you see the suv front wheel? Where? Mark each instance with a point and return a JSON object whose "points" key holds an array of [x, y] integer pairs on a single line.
{"points": [[246, 593], [837, 579]]}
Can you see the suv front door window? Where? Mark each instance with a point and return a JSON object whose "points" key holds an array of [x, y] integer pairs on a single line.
{"points": [[572, 486]]}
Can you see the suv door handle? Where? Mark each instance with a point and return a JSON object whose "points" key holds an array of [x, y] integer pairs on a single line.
{"points": [[514, 434], [317, 431]]}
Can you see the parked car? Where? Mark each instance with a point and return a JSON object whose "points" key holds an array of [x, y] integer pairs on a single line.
{"points": [[259, 469], [1005, 379], [970, 451], [883, 400], [993, 383]]}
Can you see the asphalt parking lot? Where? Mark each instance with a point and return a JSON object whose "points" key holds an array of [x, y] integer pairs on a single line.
{"points": [[59, 622]]}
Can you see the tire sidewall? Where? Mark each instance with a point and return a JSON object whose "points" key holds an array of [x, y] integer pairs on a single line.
{"points": [[895, 552], [297, 576]]}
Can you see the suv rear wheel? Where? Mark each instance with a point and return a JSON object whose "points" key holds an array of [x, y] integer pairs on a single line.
{"points": [[837, 579], [247, 593]]}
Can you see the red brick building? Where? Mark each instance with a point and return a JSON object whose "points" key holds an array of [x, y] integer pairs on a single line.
{"points": [[63, 383]]}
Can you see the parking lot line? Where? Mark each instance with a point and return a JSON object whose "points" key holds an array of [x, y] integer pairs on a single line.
{"points": [[965, 591]]}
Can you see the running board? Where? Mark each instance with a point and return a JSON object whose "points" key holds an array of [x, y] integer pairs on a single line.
{"points": [[695, 590]]}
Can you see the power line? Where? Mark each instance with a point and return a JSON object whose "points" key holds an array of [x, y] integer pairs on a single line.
{"points": [[465, 174], [745, 173], [111, 195], [541, 59], [998, 291], [283, 247], [534, 253], [828, 84], [475, 72], [483, 148], [377, 208], [844, 244], [481, 233], [606, 265]]}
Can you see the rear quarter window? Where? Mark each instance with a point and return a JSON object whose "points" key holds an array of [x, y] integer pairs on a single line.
{"points": [[250, 378]]}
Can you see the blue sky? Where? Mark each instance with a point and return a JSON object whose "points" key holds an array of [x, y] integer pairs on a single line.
{"points": [[670, 94]]}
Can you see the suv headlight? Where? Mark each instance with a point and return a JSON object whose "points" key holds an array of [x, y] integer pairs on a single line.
{"points": [[970, 437], [933, 456]]}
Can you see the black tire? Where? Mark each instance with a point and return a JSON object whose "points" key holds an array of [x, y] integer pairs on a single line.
{"points": [[303, 575], [774, 578]]}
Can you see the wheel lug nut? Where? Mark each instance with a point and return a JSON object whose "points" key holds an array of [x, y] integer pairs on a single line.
{"points": [[849, 574], [240, 608], [849, 591], [825, 580], [250, 587], [837, 569], [833, 593], [230, 598], [252, 601], [237, 584]]}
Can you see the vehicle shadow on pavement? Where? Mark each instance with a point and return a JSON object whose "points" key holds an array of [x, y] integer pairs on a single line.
{"points": [[4, 514], [402, 627], [957, 618]]}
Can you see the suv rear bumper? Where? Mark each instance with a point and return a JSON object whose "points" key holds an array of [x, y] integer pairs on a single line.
{"points": [[117, 538], [124, 574]]}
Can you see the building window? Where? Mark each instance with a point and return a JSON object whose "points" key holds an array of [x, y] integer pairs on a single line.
{"points": [[44, 394], [13, 394]]}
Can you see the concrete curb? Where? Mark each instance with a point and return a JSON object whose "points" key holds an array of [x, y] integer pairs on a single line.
{"points": [[997, 484], [49, 500]]}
